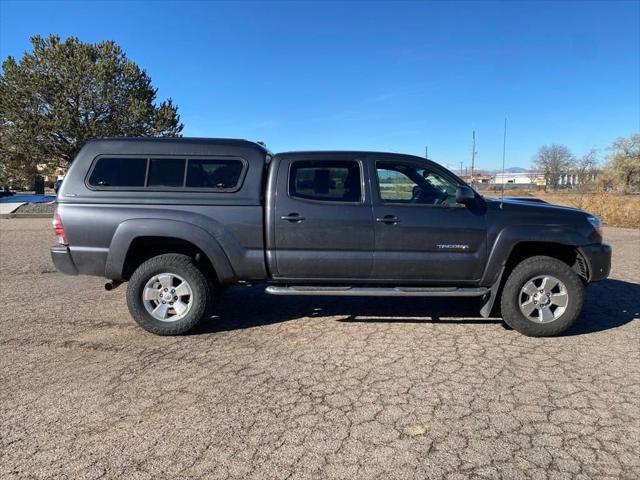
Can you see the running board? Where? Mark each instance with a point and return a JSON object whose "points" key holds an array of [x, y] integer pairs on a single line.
{"points": [[378, 291]]}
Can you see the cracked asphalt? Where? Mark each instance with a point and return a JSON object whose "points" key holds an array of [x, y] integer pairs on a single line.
{"points": [[317, 388]]}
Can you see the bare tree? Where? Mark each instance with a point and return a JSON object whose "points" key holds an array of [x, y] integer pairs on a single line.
{"points": [[622, 170], [585, 168], [554, 161]]}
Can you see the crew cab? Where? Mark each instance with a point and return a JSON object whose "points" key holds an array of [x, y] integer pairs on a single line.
{"points": [[180, 219]]}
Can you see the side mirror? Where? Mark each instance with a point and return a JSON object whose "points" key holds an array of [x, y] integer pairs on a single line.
{"points": [[465, 195]]}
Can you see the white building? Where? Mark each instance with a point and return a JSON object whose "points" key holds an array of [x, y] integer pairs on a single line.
{"points": [[521, 179], [524, 179]]}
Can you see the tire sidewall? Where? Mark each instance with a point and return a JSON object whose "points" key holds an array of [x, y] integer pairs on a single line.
{"points": [[527, 270], [170, 263]]}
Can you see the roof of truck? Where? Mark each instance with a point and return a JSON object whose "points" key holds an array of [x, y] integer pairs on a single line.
{"points": [[350, 152], [183, 140]]}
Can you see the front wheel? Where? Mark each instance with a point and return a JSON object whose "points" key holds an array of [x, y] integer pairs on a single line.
{"points": [[168, 294], [542, 297]]}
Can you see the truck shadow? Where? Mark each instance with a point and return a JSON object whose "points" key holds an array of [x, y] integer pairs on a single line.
{"points": [[609, 304]]}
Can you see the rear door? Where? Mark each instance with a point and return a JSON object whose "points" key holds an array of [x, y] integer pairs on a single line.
{"points": [[322, 221], [421, 233]]}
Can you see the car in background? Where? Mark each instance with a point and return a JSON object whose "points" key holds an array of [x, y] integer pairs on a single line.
{"points": [[56, 185]]}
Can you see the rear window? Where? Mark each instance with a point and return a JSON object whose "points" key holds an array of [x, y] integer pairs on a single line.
{"points": [[213, 173], [166, 172], [119, 172]]}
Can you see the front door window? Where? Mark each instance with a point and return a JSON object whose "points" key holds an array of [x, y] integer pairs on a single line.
{"points": [[412, 184]]}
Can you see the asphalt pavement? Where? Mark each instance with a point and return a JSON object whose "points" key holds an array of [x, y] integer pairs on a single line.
{"points": [[317, 388]]}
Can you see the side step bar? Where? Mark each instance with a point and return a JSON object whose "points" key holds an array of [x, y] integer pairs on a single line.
{"points": [[378, 291]]}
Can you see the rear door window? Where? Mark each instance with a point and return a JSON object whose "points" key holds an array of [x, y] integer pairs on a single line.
{"points": [[326, 180], [119, 172]]}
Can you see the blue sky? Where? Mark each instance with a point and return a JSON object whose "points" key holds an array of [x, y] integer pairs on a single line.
{"points": [[377, 76]]}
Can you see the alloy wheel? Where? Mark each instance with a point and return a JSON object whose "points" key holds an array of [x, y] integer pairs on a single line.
{"points": [[543, 299], [167, 297]]}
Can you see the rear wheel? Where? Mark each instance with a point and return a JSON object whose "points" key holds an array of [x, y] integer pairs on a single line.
{"points": [[542, 297], [168, 294]]}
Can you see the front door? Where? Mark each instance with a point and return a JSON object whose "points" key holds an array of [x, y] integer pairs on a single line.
{"points": [[323, 221], [421, 233]]}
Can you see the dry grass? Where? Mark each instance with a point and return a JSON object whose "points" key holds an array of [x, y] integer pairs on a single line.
{"points": [[613, 209]]}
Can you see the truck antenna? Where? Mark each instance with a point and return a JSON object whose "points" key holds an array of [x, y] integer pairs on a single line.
{"points": [[504, 149], [473, 157]]}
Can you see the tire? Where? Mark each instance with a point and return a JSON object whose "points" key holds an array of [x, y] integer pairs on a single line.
{"points": [[150, 277], [547, 317]]}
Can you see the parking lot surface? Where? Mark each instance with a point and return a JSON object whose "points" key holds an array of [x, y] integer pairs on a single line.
{"points": [[324, 388]]}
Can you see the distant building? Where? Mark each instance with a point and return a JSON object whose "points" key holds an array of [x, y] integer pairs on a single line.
{"points": [[520, 179], [570, 179], [478, 179], [537, 179]]}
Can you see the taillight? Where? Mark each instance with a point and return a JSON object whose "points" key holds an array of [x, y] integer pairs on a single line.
{"points": [[59, 229]]}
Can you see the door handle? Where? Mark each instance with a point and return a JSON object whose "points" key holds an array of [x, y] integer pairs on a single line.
{"points": [[293, 217], [388, 219]]}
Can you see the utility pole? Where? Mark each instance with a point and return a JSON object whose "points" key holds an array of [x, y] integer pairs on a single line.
{"points": [[426, 152], [460, 167], [473, 156]]}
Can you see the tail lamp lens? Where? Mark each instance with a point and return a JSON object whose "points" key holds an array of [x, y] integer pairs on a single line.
{"points": [[59, 229]]}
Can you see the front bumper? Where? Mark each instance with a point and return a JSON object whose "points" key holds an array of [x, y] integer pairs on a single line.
{"points": [[598, 257], [62, 260]]}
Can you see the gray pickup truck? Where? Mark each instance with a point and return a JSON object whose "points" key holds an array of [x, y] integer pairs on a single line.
{"points": [[181, 219]]}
